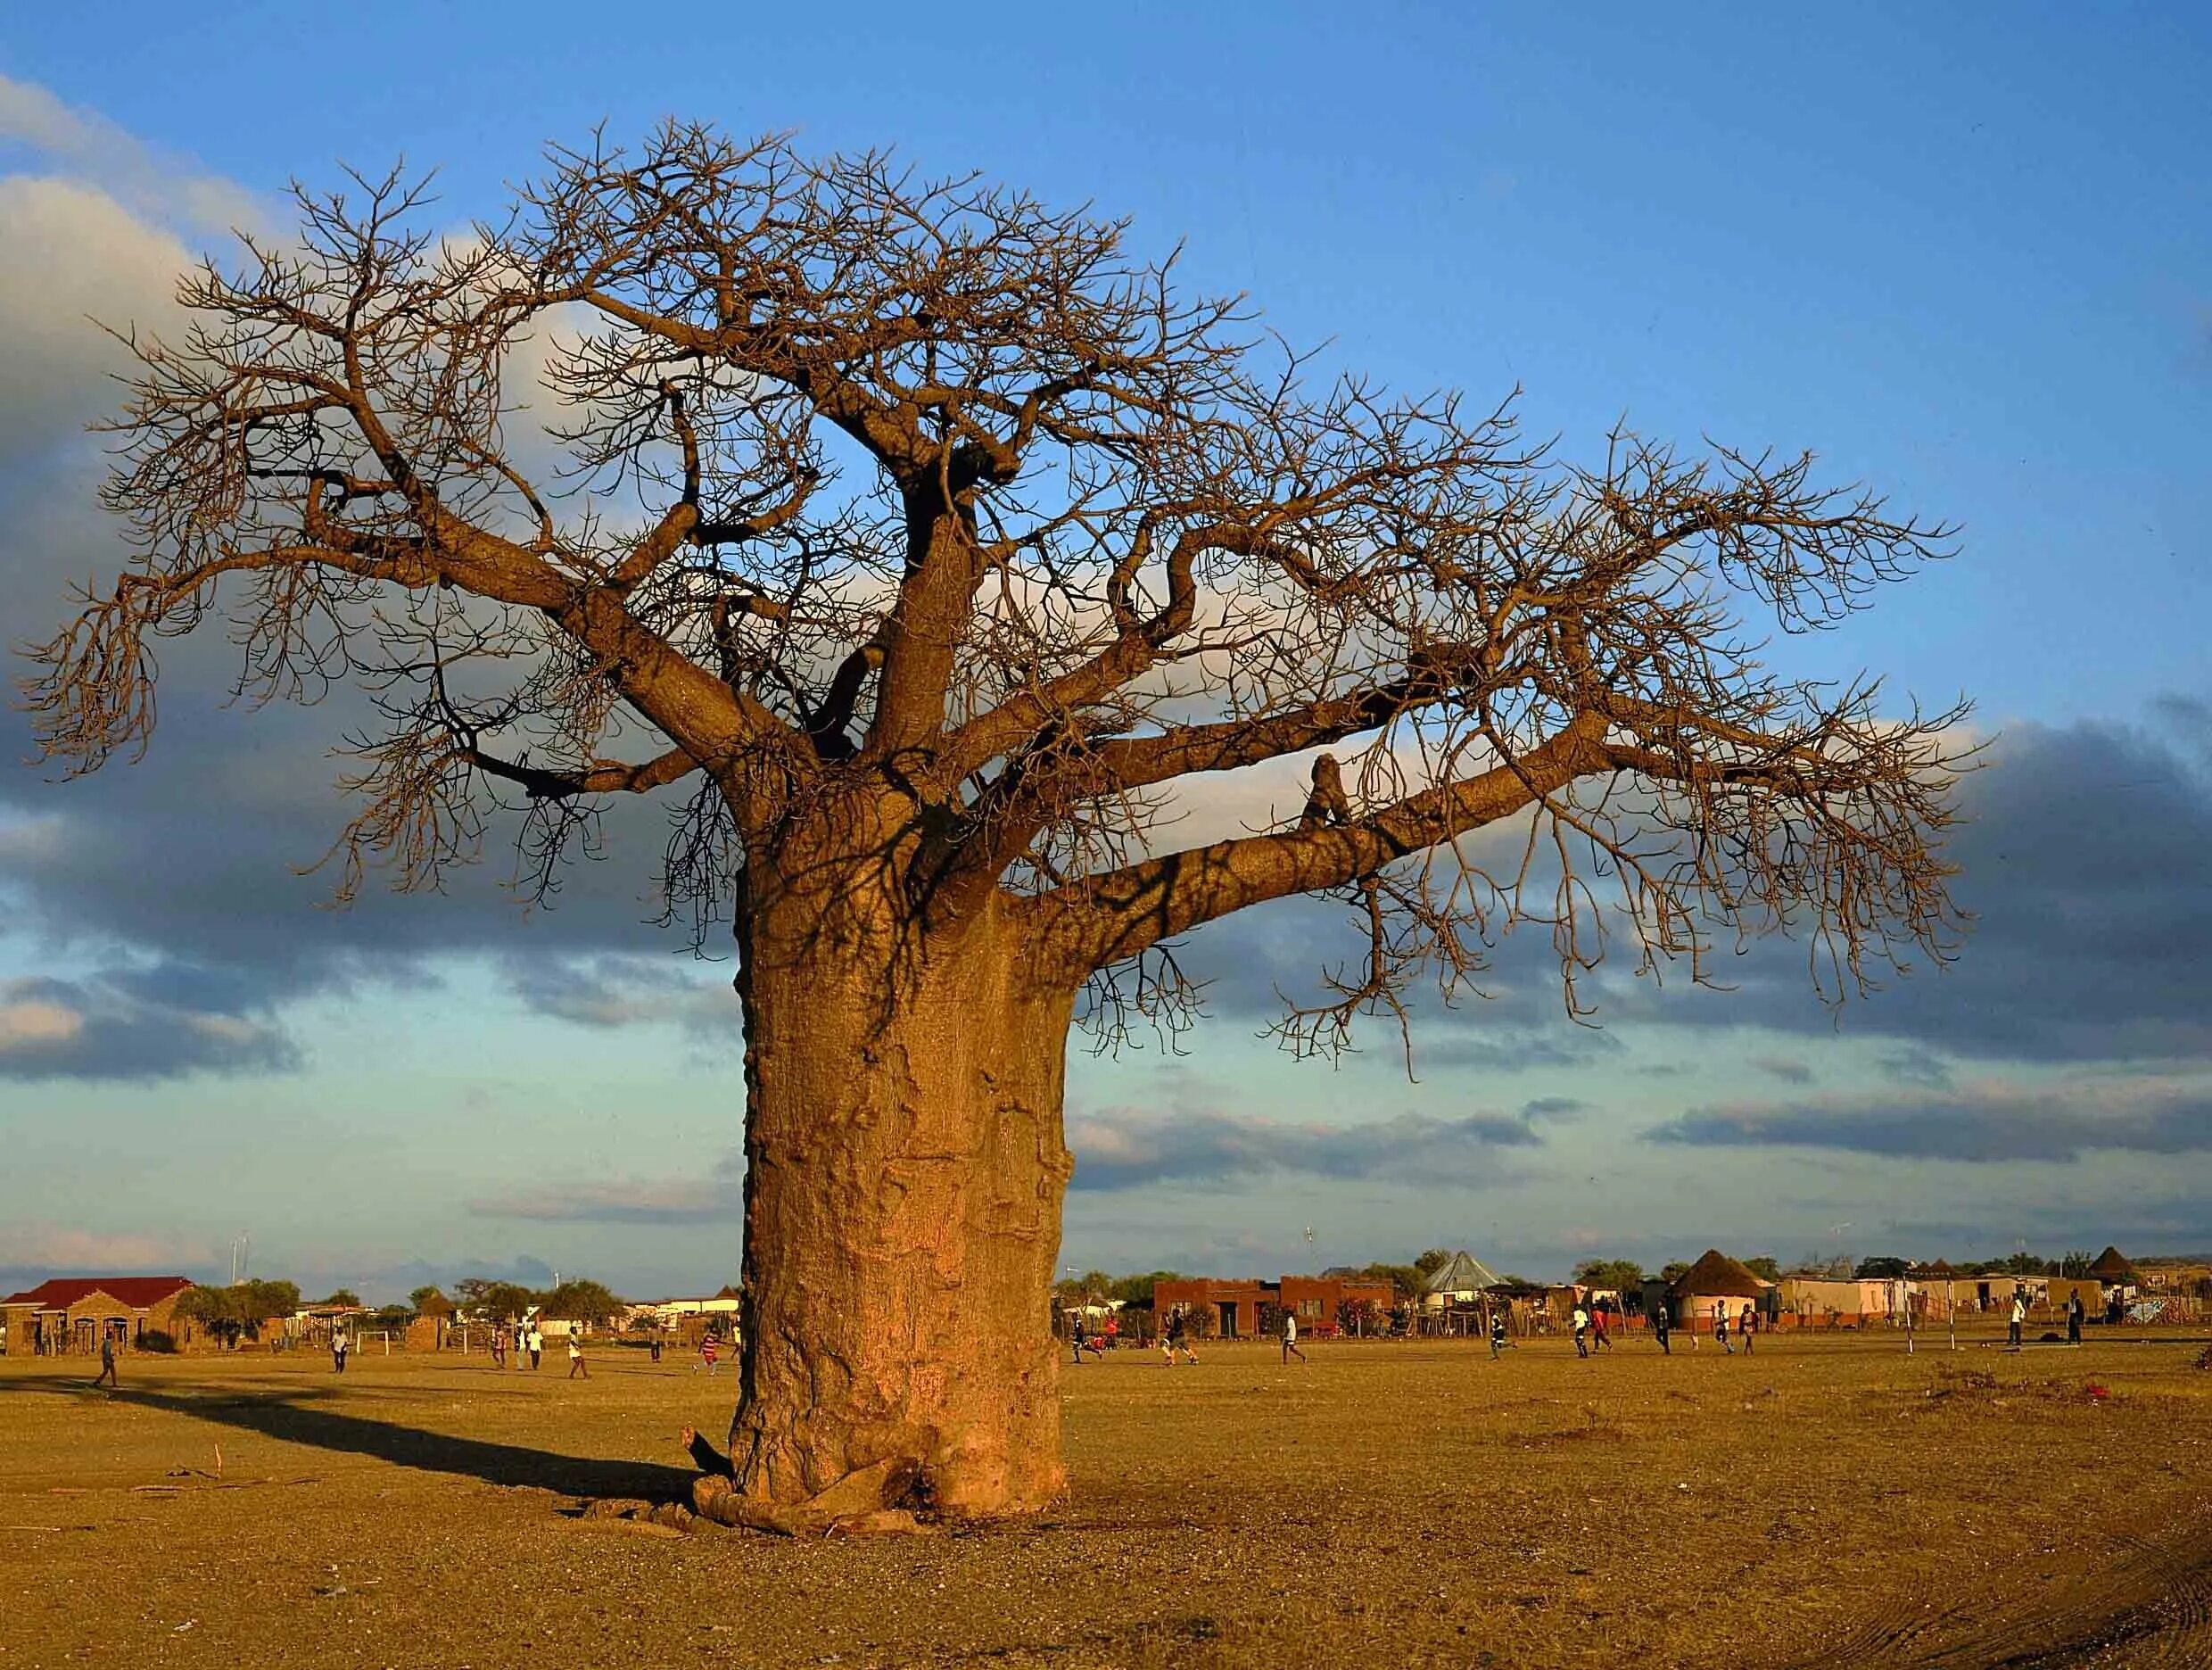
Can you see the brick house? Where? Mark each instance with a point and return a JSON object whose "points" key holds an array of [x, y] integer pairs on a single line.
{"points": [[73, 1313], [1227, 1309], [1231, 1309], [1318, 1302]]}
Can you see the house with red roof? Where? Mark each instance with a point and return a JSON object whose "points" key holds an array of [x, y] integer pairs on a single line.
{"points": [[73, 1313]]}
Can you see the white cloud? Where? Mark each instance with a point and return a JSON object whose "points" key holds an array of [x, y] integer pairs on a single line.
{"points": [[35, 1247], [86, 144], [75, 255]]}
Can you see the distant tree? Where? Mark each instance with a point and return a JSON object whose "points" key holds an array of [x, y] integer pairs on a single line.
{"points": [[1673, 1269], [1432, 1261], [1137, 1289], [430, 1302], [1764, 1268], [2076, 1263], [1406, 1280], [1620, 1275], [215, 1309], [343, 1296], [2023, 1264], [233, 1312], [1359, 1316], [1882, 1268], [393, 1317], [578, 1301], [263, 1300], [495, 1301]]}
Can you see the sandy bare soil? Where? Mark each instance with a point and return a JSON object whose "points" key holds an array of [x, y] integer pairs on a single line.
{"points": [[1827, 1501]]}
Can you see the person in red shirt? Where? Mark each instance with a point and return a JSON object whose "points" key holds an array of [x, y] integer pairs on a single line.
{"points": [[707, 1354]]}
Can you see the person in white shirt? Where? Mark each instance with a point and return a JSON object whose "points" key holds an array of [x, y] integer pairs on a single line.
{"points": [[2019, 1315], [338, 1349], [1582, 1332], [1289, 1337]]}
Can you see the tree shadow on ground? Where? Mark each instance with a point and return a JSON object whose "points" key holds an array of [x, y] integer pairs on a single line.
{"points": [[293, 1418]]}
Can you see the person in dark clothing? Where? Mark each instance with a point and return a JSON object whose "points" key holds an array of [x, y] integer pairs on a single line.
{"points": [[1659, 1327], [2074, 1309], [107, 1362], [1497, 1333], [655, 1346]]}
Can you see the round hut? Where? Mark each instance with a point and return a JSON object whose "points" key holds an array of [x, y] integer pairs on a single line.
{"points": [[1714, 1279]]}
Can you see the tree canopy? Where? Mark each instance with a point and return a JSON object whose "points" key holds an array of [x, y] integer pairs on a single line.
{"points": [[832, 471], [240, 1310], [1624, 1276]]}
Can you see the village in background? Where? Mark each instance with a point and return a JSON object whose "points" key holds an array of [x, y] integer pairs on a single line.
{"points": [[1441, 1293]]}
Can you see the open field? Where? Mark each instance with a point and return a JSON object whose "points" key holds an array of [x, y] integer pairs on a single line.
{"points": [[1829, 1501]]}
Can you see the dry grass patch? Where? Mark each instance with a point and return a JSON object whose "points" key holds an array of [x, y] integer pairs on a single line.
{"points": [[1383, 1504]]}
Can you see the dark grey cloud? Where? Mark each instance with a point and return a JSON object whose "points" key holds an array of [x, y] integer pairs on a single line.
{"points": [[1553, 1107], [2086, 858], [1787, 1069], [136, 1025], [1989, 1126], [1128, 1148], [613, 989], [1915, 1065]]}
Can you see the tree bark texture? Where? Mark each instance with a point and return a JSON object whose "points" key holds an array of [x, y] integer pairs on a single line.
{"points": [[905, 1171]]}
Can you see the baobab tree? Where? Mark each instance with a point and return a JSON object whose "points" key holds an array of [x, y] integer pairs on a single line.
{"points": [[920, 543]]}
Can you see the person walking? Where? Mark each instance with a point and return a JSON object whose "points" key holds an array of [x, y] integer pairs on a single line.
{"points": [[1659, 1327], [1289, 1337], [107, 1360], [1076, 1336], [1748, 1326], [498, 1348], [2074, 1309], [706, 1355], [537, 1345], [1720, 1325], [1582, 1330], [2019, 1316], [575, 1356], [654, 1345], [1601, 1324], [338, 1347], [1497, 1333]]}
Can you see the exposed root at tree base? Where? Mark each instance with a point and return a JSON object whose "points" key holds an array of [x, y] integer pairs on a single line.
{"points": [[862, 1503]]}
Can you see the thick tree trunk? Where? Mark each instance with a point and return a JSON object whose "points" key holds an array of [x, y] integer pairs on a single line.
{"points": [[905, 1168]]}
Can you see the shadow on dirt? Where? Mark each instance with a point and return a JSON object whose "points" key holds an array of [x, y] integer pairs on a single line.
{"points": [[293, 1418]]}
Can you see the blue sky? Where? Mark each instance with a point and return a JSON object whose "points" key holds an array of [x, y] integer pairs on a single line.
{"points": [[1966, 256]]}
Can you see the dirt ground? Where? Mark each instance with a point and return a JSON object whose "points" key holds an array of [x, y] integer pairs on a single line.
{"points": [[1827, 1501]]}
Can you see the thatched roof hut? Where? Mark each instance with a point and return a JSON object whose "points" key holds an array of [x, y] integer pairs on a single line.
{"points": [[2111, 1266], [1713, 1281]]}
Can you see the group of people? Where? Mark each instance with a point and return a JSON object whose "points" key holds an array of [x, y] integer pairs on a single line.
{"points": [[526, 1344], [1593, 1329], [1097, 1344]]}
